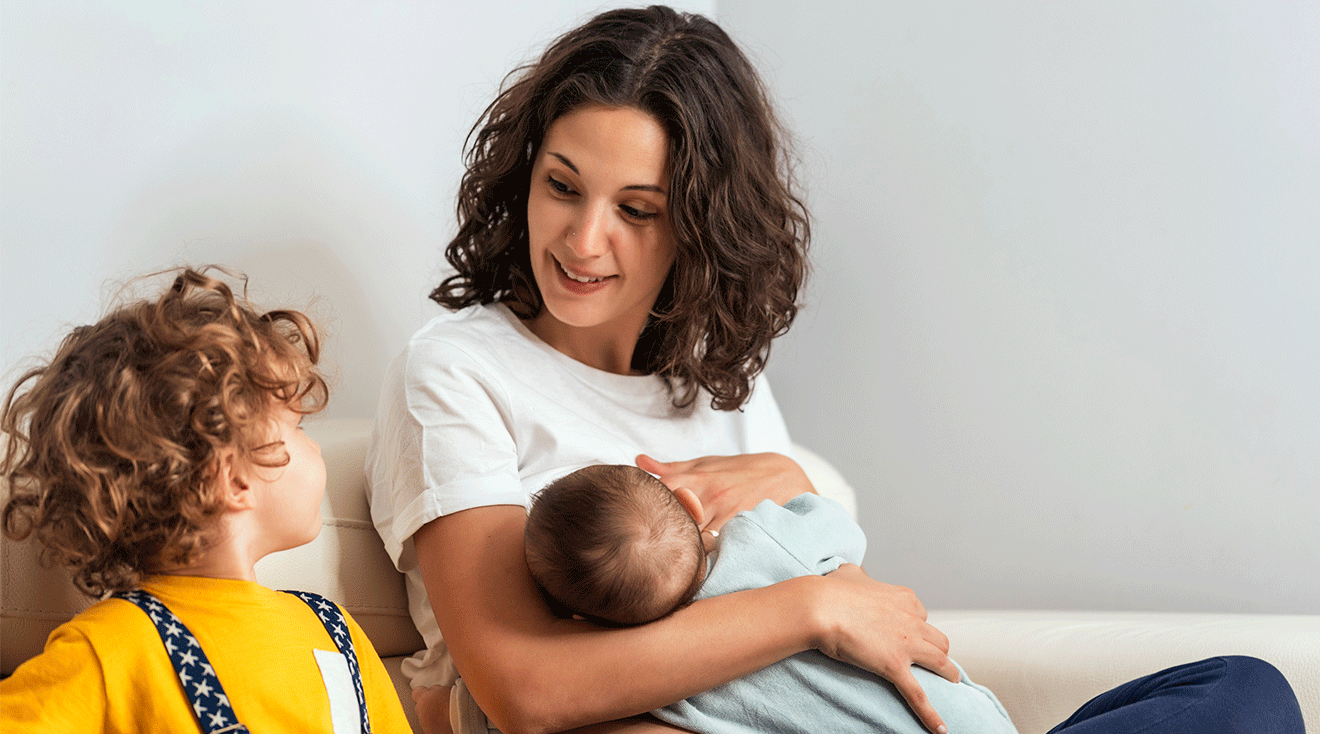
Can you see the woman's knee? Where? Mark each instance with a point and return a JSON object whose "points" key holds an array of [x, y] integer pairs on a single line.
{"points": [[1260, 695], [1254, 673]]}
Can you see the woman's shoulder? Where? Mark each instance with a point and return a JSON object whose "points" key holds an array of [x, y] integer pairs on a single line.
{"points": [[477, 324], [485, 333]]}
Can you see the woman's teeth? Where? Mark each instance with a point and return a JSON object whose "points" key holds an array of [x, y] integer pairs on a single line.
{"points": [[578, 278]]}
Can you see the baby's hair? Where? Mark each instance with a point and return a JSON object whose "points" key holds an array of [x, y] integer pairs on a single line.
{"points": [[613, 545], [112, 447]]}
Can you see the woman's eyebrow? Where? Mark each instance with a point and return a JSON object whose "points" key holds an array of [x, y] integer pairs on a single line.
{"points": [[567, 162], [633, 187], [646, 187]]}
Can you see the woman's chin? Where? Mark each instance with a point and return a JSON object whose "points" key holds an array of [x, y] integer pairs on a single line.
{"points": [[574, 316]]}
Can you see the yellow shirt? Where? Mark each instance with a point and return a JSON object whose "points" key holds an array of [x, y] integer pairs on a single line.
{"points": [[106, 670]]}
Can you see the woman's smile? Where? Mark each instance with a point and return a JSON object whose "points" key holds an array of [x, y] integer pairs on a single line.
{"points": [[598, 231], [581, 279]]}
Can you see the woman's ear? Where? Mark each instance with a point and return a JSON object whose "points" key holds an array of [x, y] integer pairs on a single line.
{"points": [[233, 482], [688, 499]]}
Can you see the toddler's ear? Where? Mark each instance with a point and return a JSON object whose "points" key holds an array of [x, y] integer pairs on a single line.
{"points": [[688, 499], [233, 482]]}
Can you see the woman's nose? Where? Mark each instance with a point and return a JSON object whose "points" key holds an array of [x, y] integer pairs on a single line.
{"points": [[589, 237]]}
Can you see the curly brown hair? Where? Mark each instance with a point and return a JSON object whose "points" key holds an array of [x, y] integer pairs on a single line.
{"points": [[112, 447], [740, 229]]}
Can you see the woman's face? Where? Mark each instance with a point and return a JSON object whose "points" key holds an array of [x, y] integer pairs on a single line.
{"points": [[599, 233]]}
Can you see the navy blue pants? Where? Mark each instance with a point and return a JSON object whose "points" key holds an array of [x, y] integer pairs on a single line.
{"points": [[1225, 695]]}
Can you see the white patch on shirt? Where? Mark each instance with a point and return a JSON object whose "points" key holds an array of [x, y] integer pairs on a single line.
{"points": [[345, 718]]}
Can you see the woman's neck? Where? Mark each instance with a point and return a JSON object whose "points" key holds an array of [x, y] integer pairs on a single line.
{"points": [[608, 347]]}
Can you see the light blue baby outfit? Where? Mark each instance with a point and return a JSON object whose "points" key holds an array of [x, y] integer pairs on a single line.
{"points": [[812, 692]]}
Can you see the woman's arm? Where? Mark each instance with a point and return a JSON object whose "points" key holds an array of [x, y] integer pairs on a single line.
{"points": [[532, 672]]}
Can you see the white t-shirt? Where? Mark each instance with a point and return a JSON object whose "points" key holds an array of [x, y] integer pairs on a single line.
{"points": [[478, 411]]}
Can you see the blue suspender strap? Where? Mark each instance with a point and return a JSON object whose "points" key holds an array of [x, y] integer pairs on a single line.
{"points": [[209, 703], [337, 626]]}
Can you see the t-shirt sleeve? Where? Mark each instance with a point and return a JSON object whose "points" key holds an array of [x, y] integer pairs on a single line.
{"points": [[383, 704], [443, 441], [764, 424], [815, 530], [62, 689]]}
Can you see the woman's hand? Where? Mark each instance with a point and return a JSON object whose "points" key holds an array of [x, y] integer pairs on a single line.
{"points": [[432, 706], [883, 628], [727, 485]]}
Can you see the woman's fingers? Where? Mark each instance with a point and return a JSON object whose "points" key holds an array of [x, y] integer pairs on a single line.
{"points": [[728, 485], [432, 706], [941, 665], [918, 701], [883, 629], [659, 468]]}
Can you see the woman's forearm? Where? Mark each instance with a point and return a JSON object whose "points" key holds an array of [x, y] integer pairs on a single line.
{"points": [[531, 672], [605, 674]]}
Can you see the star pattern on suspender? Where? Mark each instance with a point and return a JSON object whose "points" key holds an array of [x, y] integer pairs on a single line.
{"points": [[333, 621], [207, 697], [210, 705]]}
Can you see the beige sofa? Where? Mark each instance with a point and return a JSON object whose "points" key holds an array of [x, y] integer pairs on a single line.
{"points": [[1043, 665]]}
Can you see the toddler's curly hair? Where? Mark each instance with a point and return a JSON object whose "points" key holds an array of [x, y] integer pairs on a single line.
{"points": [[112, 447]]}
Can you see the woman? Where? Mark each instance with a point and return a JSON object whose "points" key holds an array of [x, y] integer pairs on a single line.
{"points": [[630, 242]]}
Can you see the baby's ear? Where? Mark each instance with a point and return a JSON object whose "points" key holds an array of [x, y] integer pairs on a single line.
{"points": [[688, 499], [233, 482]]}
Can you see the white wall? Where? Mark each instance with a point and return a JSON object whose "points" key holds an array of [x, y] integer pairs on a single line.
{"points": [[314, 145], [1064, 330], [1067, 255]]}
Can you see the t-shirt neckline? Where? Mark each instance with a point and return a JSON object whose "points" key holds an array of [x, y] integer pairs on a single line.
{"points": [[639, 385]]}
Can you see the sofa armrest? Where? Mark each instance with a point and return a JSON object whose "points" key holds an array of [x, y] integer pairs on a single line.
{"points": [[1044, 665], [827, 480]]}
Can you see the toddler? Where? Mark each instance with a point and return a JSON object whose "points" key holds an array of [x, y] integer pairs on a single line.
{"points": [[159, 456], [613, 545]]}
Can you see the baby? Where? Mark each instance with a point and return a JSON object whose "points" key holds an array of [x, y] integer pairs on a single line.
{"points": [[613, 545], [159, 456]]}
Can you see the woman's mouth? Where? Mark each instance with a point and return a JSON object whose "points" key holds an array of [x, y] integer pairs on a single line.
{"points": [[579, 283], [575, 276]]}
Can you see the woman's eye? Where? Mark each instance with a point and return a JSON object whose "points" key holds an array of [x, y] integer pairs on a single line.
{"points": [[637, 214], [559, 187]]}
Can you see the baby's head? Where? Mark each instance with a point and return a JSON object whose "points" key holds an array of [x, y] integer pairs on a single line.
{"points": [[614, 545], [113, 447]]}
